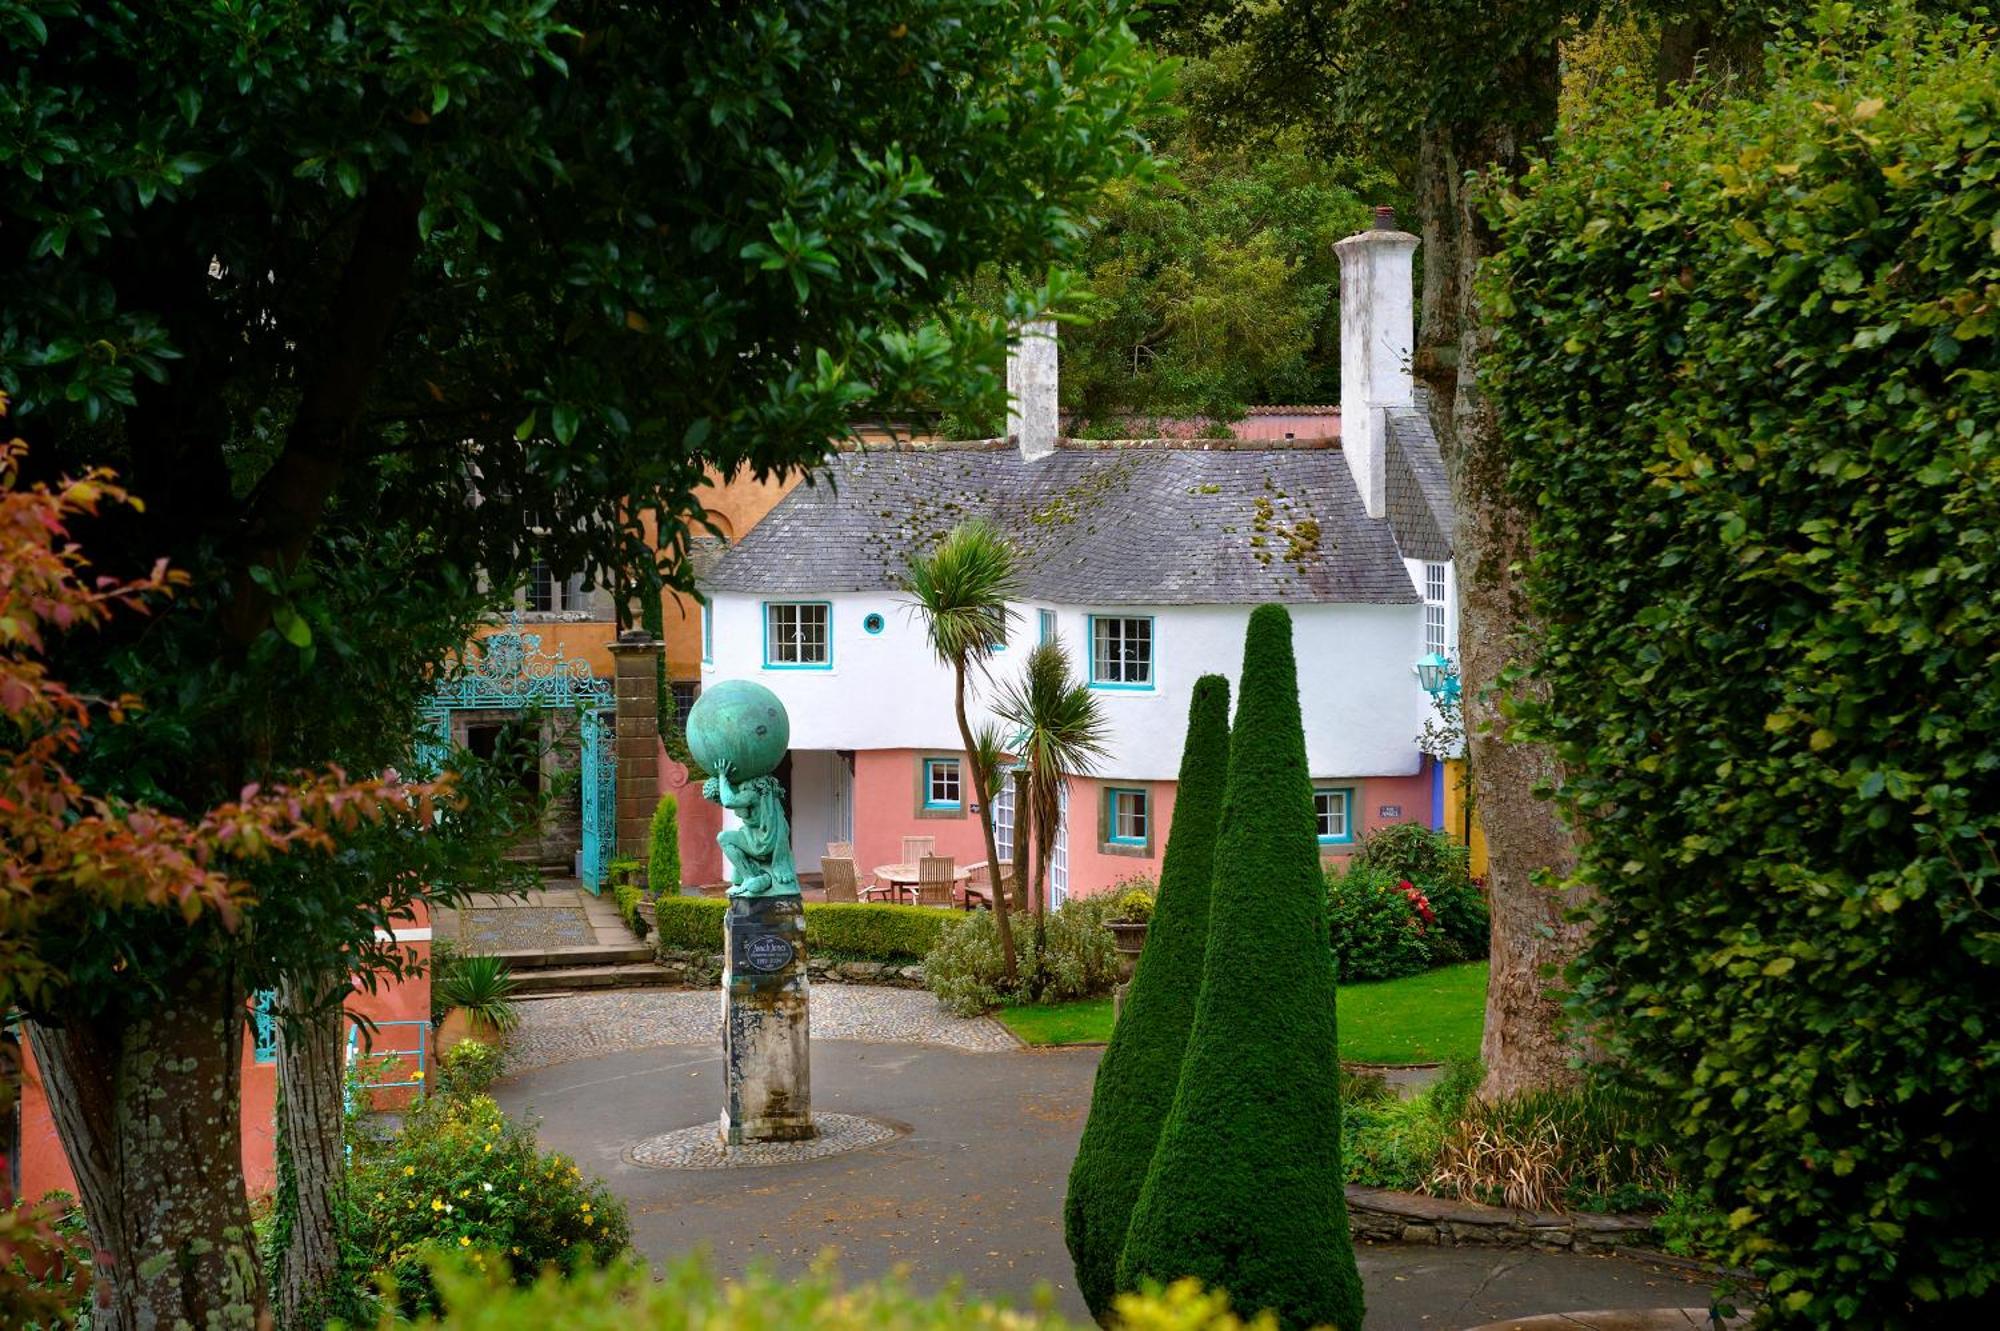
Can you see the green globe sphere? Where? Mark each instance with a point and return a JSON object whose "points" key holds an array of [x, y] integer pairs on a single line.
{"points": [[741, 725]]}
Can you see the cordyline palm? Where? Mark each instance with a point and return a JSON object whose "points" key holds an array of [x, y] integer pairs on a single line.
{"points": [[961, 588], [1061, 734]]}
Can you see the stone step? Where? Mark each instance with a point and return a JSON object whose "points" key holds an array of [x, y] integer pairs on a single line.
{"points": [[543, 983], [600, 954]]}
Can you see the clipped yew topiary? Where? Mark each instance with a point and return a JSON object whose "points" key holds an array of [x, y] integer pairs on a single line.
{"points": [[1136, 1079], [1245, 1187], [663, 863]]}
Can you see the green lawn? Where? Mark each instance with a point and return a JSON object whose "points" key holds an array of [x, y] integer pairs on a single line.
{"points": [[1424, 1018]]}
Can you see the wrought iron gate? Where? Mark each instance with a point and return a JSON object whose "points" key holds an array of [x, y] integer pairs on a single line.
{"points": [[509, 671]]}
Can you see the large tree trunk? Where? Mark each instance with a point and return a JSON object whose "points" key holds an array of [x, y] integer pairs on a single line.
{"points": [[310, 1114], [980, 793], [1524, 1045], [148, 1101]]}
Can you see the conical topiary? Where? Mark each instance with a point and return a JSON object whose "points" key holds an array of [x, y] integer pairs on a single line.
{"points": [[1245, 1189], [1136, 1079]]}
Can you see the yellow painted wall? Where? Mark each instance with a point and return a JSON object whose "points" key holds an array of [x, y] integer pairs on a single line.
{"points": [[1455, 793]]}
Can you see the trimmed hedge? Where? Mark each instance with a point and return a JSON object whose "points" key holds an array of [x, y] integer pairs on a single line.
{"points": [[626, 896], [859, 932], [663, 860], [1141, 1066], [1746, 356], [1245, 1191]]}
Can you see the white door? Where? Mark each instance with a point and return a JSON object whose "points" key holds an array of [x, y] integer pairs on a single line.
{"points": [[843, 797], [1059, 861], [1003, 818]]}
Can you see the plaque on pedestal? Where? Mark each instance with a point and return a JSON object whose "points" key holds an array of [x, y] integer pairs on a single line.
{"points": [[764, 1023]]}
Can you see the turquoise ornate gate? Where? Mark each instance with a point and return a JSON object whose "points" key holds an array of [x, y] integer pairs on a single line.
{"points": [[510, 671]]}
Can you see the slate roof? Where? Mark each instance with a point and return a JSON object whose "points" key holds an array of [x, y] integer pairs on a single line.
{"points": [[1416, 492], [1152, 523]]}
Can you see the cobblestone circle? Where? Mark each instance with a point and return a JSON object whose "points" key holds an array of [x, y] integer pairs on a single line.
{"points": [[701, 1147], [557, 1030]]}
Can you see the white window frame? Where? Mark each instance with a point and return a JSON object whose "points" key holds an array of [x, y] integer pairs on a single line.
{"points": [[788, 645], [1345, 797], [1437, 619]]}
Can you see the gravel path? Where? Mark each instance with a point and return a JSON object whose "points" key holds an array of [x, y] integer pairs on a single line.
{"points": [[556, 1030]]}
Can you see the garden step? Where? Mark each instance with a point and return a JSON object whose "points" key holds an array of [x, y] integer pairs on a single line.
{"points": [[535, 983], [599, 954]]}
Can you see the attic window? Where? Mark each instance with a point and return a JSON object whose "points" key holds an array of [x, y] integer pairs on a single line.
{"points": [[1121, 652]]}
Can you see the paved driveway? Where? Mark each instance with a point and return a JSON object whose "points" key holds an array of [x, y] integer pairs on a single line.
{"points": [[972, 1186]]}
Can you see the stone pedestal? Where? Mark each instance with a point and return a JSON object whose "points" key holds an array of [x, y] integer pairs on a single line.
{"points": [[764, 1026]]}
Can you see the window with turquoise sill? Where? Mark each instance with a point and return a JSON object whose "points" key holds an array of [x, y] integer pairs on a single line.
{"points": [[1333, 806], [798, 635], [1128, 818], [942, 788], [1121, 651]]}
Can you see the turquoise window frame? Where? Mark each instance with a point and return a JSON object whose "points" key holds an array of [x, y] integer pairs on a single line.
{"points": [[708, 633], [1111, 836], [764, 616], [929, 765], [1352, 807], [1152, 656], [1045, 621], [872, 623]]}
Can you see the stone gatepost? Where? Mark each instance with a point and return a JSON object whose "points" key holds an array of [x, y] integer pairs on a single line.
{"points": [[765, 1054], [637, 690]]}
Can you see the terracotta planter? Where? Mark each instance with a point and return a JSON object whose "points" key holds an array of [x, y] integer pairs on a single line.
{"points": [[458, 1025]]}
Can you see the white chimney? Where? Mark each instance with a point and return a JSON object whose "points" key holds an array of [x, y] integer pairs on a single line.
{"points": [[1377, 339], [1031, 390]]}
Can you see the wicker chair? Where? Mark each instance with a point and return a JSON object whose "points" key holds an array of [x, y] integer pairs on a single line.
{"points": [[935, 879], [916, 847], [842, 884], [840, 850]]}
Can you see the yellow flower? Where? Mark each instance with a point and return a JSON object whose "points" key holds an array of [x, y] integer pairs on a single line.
{"points": [[437, 1204], [420, 1074], [517, 1250], [464, 1242], [380, 1195], [489, 1146], [409, 1171]]}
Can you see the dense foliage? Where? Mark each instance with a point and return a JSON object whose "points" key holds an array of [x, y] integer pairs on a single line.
{"points": [[1747, 354], [1245, 1188], [1442, 870], [851, 931], [1063, 955], [689, 1297], [1142, 1064], [1375, 925], [461, 1176]]}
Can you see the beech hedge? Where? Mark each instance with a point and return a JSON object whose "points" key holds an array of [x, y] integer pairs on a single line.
{"points": [[1745, 357]]}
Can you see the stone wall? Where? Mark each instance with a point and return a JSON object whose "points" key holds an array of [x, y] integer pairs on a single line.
{"points": [[1403, 1217]]}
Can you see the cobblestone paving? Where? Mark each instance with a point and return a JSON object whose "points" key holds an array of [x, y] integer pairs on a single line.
{"points": [[556, 1030], [700, 1147]]}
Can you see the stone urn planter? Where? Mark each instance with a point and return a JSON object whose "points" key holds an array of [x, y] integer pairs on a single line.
{"points": [[1129, 937]]}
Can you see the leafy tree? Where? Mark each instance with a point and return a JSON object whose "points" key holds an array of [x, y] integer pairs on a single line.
{"points": [[1759, 413], [1246, 1191], [1059, 731], [1142, 1066], [961, 588], [376, 306]]}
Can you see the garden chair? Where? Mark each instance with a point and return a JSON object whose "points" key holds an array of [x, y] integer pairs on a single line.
{"points": [[936, 876], [979, 888], [916, 847], [842, 883]]}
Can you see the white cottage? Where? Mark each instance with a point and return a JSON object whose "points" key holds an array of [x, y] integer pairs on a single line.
{"points": [[1145, 558]]}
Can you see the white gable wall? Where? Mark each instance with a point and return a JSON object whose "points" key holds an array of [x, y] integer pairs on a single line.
{"points": [[1361, 705]]}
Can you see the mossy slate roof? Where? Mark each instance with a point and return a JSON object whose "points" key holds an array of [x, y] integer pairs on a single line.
{"points": [[1416, 492], [1130, 524]]}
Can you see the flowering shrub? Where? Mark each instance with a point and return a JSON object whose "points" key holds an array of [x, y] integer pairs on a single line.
{"points": [[1380, 927], [462, 1177], [468, 1068], [1440, 869]]}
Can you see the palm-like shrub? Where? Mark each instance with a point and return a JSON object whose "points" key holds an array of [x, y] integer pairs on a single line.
{"points": [[961, 589], [483, 988], [1060, 732], [1245, 1188], [1140, 1069]]}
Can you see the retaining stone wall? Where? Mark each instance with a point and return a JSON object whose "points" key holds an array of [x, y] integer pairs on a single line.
{"points": [[1403, 1217]]}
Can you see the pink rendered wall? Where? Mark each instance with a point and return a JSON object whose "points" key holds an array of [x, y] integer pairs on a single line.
{"points": [[1092, 869], [885, 811], [699, 820], [43, 1166]]}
